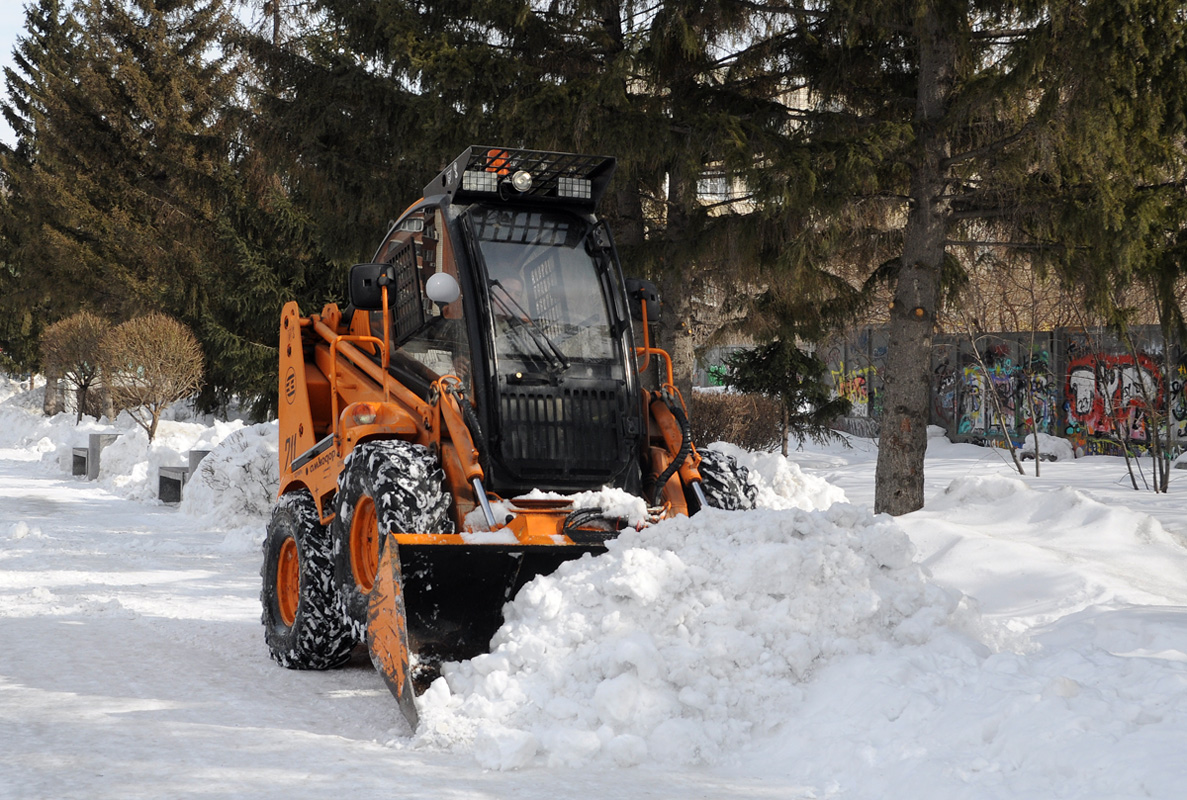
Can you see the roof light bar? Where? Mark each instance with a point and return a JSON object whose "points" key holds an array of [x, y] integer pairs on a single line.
{"points": [[530, 175]]}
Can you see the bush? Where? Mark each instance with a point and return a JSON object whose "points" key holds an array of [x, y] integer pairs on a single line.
{"points": [[150, 363], [751, 421], [70, 350]]}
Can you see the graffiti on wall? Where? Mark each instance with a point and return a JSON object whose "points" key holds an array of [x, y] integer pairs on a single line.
{"points": [[945, 379], [855, 385], [1177, 401], [1074, 384], [1001, 393], [1110, 396]]}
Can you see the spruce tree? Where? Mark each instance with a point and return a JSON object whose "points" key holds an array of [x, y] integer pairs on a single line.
{"points": [[797, 379], [966, 126], [129, 188], [154, 160], [31, 292]]}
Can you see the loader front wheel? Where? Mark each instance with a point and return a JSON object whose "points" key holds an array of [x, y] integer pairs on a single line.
{"points": [[725, 482], [387, 485], [302, 626]]}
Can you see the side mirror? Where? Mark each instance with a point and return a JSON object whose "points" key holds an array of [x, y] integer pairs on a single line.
{"points": [[442, 288], [366, 286], [638, 292]]}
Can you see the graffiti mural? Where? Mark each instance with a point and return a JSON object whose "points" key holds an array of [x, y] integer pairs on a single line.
{"points": [[944, 381], [1079, 384], [1001, 396], [1110, 396], [854, 385], [1176, 400]]}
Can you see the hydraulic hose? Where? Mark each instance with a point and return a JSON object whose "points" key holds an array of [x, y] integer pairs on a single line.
{"points": [[685, 448], [470, 417]]}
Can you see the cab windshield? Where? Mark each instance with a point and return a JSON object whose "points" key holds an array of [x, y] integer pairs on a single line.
{"points": [[548, 308]]}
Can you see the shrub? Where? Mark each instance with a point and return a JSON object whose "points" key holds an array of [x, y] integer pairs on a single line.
{"points": [[150, 363], [750, 421], [70, 351]]}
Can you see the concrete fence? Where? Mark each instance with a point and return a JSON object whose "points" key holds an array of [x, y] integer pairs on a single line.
{"points": [[1082, 385]]}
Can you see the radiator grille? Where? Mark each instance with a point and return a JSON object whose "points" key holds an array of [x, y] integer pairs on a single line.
{"points": [[563, 432]]}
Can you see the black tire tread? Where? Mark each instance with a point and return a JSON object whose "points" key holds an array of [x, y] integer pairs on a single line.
{"points": [[317, 639], [725, 482], [407, 485]]}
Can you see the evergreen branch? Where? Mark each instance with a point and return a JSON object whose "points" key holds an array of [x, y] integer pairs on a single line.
{"points": [[1004, 33], [995, 212], [989, 149], [898, 198], [798, 11], [721, 203], [992, 243]]}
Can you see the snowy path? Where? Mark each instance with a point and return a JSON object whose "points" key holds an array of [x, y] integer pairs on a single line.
{"points": [[133, 666]]}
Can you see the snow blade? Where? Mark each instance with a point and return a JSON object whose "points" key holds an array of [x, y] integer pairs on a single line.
{"points": [[387, 631]]}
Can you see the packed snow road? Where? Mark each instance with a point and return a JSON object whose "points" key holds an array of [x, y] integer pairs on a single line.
{"points": [[1018, 638], [133, 666]]}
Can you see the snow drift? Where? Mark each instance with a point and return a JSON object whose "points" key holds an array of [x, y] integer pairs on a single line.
{"points": [[684, 640]]}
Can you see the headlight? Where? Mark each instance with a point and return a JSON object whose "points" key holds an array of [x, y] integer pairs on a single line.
{"points": [[521, 181]]}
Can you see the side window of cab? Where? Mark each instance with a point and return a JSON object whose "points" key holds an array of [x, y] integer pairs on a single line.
{"points": [[428, 338]]}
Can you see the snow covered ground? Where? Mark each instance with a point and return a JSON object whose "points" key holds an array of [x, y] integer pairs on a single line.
{"points": [[1020, 637]]}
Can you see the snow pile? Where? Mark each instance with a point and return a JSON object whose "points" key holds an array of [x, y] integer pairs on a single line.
{"points": [[236, 483], [22, 424], [1050, 448], [781, 483], [22, 392], [685, 640], [130, 466], [21, 529], [1065, 550]]}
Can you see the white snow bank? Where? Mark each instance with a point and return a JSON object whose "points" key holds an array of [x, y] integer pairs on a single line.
{"points": [[781, 483], [1049, 447], [235, 485], [1071, 720], [22, 424], [684, 641], [1064, 550], [232, 490]]}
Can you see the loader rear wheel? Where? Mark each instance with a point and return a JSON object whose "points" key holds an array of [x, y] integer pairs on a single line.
{"points": [[302, 626], [388, 485], [725, 482]]}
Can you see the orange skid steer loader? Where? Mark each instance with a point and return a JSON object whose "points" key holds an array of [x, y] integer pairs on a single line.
{"points": [[486, 352]]}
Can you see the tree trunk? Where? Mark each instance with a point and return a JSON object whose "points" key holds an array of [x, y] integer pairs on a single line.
{"points": [[675, 331], [898, 482], [784, 426], [674, 335], [53, 395], [80, 396]]}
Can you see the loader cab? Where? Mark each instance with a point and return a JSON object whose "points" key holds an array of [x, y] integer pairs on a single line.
{"points": [[541, 334]]}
